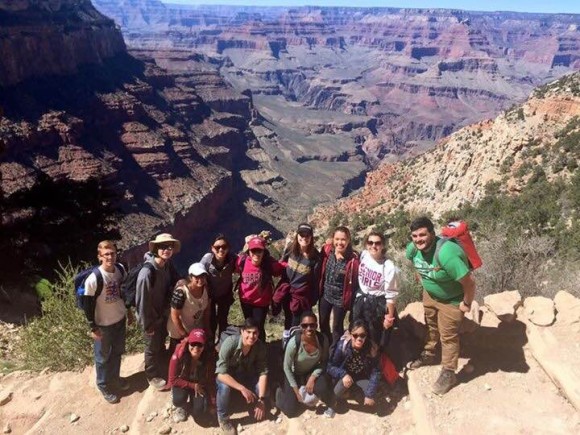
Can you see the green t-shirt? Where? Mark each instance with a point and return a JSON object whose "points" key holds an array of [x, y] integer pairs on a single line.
{"points": [[441, 281]]}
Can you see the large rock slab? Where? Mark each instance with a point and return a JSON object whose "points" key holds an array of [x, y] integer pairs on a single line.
{"points": [[568, 308], [412, 320], [540, 310], [504, 304]]}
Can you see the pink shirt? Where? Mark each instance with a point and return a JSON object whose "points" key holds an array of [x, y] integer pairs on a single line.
{"points": [[250, 285]]}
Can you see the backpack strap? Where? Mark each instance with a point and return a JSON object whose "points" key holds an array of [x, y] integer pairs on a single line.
{"points": [[242, 260], [440, 242]]}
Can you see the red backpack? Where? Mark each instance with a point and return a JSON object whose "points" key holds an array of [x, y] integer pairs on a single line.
{"points": [[458, 231]]}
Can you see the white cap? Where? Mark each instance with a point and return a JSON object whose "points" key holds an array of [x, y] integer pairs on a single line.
{"points": [[196, 269]]}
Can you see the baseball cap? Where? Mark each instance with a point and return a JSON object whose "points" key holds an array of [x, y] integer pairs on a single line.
{"points": [[257, 243], [196, 269], [305, 228], [196, 336]]}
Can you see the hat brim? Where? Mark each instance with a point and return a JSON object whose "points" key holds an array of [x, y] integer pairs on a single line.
{"points": [[176, 244]]}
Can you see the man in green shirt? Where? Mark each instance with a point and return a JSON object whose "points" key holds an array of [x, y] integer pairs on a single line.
{"points": [[449, 289], [243, 366]]}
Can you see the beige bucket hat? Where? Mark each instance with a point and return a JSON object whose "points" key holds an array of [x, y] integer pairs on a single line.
{"points": [[165, 238]]}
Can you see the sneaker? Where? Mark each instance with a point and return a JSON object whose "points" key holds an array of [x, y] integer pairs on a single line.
{"points": [[110, 397], [445, 382], [228, 428], [329, 413], [157, 383], [179, 415], [425, 359]]}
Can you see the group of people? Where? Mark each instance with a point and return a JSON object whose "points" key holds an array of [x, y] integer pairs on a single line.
{"points": [[321, 362]]}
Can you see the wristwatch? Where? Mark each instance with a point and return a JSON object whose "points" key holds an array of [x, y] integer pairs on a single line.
{"points": [[466, 304]]}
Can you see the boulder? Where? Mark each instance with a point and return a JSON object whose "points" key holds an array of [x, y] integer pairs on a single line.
{"points": [[539, 310], [504, 304], [568, 308], [488, 319]]}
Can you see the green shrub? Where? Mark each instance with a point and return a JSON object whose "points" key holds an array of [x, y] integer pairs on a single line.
{"points": [[59, 339]]}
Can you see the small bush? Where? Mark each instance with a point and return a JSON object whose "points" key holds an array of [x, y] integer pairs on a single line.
{"points": [[59, 339]]}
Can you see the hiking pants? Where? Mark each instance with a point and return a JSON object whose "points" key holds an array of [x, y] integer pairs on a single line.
{"points": [[219, 311], [179, 397], [339, 313], [108, 351], [443, 322], [287, 402], [155, 353], [357, 389], [259, 315]]}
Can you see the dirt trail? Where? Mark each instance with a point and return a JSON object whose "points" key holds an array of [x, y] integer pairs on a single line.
{"points": [[514, 378]]}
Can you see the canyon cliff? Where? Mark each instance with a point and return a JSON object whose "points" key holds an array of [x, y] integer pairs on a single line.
{"points": [[415, 75]]}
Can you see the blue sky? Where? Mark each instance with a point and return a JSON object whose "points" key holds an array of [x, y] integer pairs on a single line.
{"points": [[569, 6]]}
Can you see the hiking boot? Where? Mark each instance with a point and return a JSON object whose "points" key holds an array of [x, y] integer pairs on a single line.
{"points": [[445, 382], [179, 415], [228, 428], [110, 397], [157, 383], [425, 359], [122, 384]]}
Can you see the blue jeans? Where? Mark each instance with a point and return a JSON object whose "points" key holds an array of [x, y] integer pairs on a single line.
{"points": [[108, 351], [250, 381]]}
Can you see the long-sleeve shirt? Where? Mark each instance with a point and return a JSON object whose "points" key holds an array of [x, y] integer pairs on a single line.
{"points": [[231, 359], [153, 294], [341, 364]]}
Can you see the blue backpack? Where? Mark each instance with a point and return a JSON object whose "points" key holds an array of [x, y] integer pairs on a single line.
{"points": [[80, 279]]}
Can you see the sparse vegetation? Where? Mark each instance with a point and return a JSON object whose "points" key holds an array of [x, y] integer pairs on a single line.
{"points": [[59, 339]]}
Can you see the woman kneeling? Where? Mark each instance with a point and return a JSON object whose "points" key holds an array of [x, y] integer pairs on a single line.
{"points": [[354, 366], [191, 376], [305, 360]]}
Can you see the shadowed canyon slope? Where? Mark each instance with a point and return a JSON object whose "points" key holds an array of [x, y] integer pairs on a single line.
{"points": [[413, 75]]}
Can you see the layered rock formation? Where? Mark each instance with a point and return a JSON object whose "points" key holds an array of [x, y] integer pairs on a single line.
{"points": [[39, 38], [418, 74], [504, 150]]}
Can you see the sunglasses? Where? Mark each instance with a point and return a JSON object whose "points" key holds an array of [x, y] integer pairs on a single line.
{"points": [[309, 325], [165, 247], [220, 247], [357, 336], [256, 251], [194, 345], [374, 242]]}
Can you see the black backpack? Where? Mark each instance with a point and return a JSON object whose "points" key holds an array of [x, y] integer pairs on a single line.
{"points": [[80, 279], [129, 286]]}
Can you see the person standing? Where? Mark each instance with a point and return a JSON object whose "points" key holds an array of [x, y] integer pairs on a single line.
{"points": [[153, 293], [338, 281], [298, 290], [448, 291], [378, 287], [105, 311], [256, 270], [189, 306], [220, 264]]}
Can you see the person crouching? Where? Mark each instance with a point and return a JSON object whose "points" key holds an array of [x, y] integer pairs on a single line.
{"points": [[191, 376]]}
